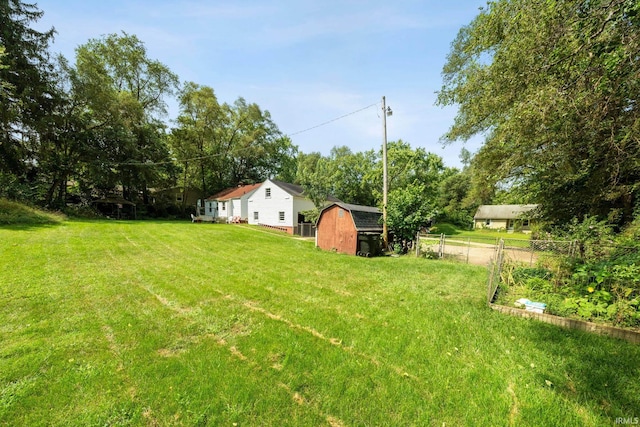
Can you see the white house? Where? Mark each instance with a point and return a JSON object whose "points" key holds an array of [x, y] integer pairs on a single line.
{"points": [[507, 217], [231, 204], [278, 204]]}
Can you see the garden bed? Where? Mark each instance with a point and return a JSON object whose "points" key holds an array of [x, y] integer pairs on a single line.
{"points": [[602, 300], [631, 336]]}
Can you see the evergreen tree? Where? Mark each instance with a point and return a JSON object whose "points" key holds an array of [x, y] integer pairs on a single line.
{"points": [[27, 94]]}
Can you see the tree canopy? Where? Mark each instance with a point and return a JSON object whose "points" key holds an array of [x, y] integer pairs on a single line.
{"points": [[553, 85], [96, 126], [26, 90], [221, 145]]}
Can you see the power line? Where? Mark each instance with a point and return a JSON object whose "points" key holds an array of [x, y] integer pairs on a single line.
{"points": [[333, 120], [115, 164]]}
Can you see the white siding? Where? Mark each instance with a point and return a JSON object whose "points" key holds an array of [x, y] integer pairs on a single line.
{"points": [[223, 213], [300, 204], [269, 208], [235, 208], [210, 208]]}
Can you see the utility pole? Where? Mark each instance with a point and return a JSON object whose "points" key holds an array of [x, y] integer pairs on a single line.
{"points": [[385, 186]]}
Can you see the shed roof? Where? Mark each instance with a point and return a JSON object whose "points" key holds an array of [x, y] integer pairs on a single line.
{"points": [[502, 211], [365, 218]]}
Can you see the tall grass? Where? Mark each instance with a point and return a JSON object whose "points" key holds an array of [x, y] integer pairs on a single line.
{"points": [[17, 213], [152, 323]]}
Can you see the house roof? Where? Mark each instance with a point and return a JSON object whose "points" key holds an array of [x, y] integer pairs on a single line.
{"points": [[365, 218], [234, 192], [297, 190], [502, 211]]}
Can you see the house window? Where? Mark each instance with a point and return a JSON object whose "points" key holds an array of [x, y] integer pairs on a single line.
{"points": [[487, 222], [340, 213], [255, 216], [267, 193], [281, 216], [210, 208], [224, 206], [525, 222]]}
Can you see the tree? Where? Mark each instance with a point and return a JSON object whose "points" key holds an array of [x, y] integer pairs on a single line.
{"points": [[414, 180], [465, 157], [257, 148], [352, 176], [26, 91], [193, 139], [407, 166], [228, 144], [312, 173], [343, 174], [64, 144], [408, 210], [554, 86], [124, 92], [452, 194]]}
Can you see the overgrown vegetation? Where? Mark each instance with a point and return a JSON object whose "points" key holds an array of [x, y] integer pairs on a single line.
{"points": [[600, 282], [553, 87], [18, 213]]}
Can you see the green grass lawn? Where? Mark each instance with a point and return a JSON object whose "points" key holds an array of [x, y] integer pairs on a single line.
{"points": [[172, 323]]}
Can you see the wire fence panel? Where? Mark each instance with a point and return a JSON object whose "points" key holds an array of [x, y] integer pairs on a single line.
{"points": [[481, 250]]}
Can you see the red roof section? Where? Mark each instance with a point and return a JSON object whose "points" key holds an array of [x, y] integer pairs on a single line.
{"points": [[234, 192]]}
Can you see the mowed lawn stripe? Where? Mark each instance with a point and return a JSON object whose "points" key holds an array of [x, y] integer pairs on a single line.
{"points": [[155, 277], [171, 323]]}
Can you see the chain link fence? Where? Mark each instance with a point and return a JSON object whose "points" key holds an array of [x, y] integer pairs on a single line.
{"points": [[515, 251], [481, 250]]}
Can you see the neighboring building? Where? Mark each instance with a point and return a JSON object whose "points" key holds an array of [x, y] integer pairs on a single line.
{"points": [[230, 205], [506, 217], [177, 196], [278, 204], [116, 207], [350, 229]]}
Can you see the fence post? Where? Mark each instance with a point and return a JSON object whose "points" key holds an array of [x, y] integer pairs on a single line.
{"points": [[441, 246], [533, 249], [468, 248], [418, 244], [496, 270]]}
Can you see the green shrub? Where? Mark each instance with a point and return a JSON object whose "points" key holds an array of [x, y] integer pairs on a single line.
{"points": [[522, 274]]}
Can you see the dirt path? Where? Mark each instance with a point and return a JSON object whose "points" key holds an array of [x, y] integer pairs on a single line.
{"points": [[481, 254]]}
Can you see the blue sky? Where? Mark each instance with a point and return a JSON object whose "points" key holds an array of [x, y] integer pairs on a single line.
{"points": [[306, 62]]}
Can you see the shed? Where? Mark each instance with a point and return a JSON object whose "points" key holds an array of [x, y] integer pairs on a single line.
{"points": [[507, 217], [116, 207], [350, 229]]}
